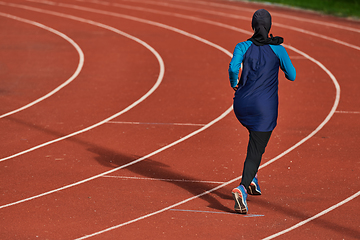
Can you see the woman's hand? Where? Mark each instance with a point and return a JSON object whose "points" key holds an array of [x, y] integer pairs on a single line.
{"points": [[237, 86]]}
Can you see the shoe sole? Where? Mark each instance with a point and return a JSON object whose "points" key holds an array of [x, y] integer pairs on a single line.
{"points": [[252, 190], [239, 204]]}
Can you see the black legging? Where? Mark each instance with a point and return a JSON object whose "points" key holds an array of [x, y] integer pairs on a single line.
{"points": [[255, 150]]}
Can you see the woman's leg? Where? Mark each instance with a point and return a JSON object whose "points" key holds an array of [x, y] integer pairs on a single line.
{"points": [[256, 148]]}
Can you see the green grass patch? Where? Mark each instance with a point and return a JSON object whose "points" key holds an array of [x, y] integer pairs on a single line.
{"points": [[342, 8]]}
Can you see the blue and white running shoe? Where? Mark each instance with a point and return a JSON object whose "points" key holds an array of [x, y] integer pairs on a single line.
{"points": [[240, 195], [254, 188]]}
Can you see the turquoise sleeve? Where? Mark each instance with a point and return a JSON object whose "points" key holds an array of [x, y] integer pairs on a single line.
{"points": [[285, 62], [235, 64]]}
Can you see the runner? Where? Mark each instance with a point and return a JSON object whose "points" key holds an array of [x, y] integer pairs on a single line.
{"points": [[256, 97]]}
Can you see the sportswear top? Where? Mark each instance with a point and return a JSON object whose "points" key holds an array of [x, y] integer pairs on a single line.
{"points": [[256, 100]]}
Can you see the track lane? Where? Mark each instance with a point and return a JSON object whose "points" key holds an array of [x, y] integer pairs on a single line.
{"points": [[75, 74]]}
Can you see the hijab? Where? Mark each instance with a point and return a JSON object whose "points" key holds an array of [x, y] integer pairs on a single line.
{"points": [[261, 24]]}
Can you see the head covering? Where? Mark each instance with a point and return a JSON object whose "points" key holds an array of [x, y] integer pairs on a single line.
{"points": [[261, 24]]}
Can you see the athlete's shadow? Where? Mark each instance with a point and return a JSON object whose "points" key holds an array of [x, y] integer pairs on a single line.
{"points": [[146, 168], [153, 169]]}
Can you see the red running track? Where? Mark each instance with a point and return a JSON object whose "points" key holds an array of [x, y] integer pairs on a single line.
{"points": [[141, 142]]}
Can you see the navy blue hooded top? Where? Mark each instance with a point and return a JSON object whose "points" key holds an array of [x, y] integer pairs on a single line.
{"points": [[256, 99]]}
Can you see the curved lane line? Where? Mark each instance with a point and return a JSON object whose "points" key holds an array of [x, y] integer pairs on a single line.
{"points": [[144, 9], [233, 180], [76, 73], [233, 7], [314, 217], [217, 13], [327, 119], [160, 77]]}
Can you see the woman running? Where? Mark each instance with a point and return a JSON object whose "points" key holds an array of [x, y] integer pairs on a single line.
{"points": [[256, 96]]}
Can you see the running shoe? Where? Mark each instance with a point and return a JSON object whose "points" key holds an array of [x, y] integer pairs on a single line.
{"points": [[240, 195], [254, 188]]}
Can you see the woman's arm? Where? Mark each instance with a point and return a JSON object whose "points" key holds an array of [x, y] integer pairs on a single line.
{"points": [[235, 64], [285, 63]]}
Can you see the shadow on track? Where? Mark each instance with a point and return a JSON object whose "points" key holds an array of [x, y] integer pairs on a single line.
{"points": [[156, 170], [147, 168]]}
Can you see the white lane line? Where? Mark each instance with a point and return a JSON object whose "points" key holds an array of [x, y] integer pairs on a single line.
{"points": [[351, 112], [161, 25], [163, 13], [314, 217], [233, 7], [167, 5], [75, 74], [156, 85], [199, 211], [297, 57], [146, 123], [319, 35], [108, 119], [328, 117], [217, 13], [216, 212], [156, 212], [162, 179]]}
